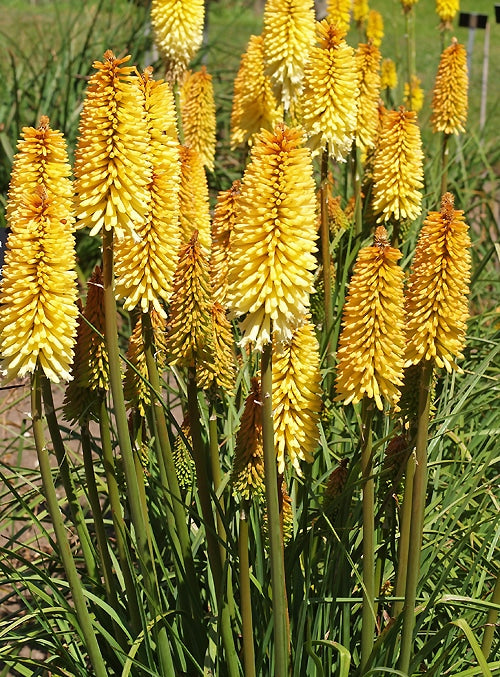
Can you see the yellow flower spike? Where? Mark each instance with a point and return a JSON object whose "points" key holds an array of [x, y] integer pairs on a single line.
{"points": [[189, 335], [273, 241], [222, 344], [38, 312], [368, 67], [198, 114], [338, 13], [328, 102], [296, 397], [436, 299], [137, 392], [375, 27], [178, 32], [222, 227], [254, 104], [183, 461], [194, 202], [450, 96], [371, 346], [447, 10], [360, 10], [112, 166], [288, 36], [247, 476], [388, 75], [144, 267], [398, 167], [415, 99]]}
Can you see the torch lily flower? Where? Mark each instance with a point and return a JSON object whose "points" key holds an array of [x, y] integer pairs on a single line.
{"points": [[450, 99], [198, 114]]}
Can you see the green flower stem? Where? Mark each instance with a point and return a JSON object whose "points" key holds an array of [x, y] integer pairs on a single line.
{"points": [[489, 631], [214, 558], [139, 515], [404, 536], [95, 504], [326, 262], [356, 182], [77, 515], [445, 152], [417, 517], [410, 48], [167, 465], [245, 597], [278, 584], [368, 612], [117, 517], [82, 613], [216, 476]]}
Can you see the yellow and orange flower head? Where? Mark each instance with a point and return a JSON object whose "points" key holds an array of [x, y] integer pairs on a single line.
{"points": [[112, 164], [447, 10], [145, 265], [222, 227], [194, 202], [198, 114], [189, 335], [178, 32], [254, 104], [38, 312], [247, 476], [388, 75], [360, 10], [338, 13], [94, 370], [288, 37], [414, 95], [368, 67], [398, 167], [450, 100], [375, 27], [370, 357], [436, 299], [222, 345], [135, 388], [296, 397], [273, 241], [183, 461], [328, 102]]}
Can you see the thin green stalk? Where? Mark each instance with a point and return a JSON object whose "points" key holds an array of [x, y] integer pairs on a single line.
{"points": [[75, 585], [95, 504], [404, 536], [245, 597], [216, 476], [117, 517], [356, 182], [203, 486], [77, 516], [140, 518], [445, 151], [278, 583], [410, 49], [417, 517], [368, 611], [326, 262], [489, 631]]}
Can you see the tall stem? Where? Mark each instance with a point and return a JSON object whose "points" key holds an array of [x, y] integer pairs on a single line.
{"points": [[140, 519], [216, 475], [82, 613], [117, 517], [368, 612], [404, 536], [445, 151], [245, 597], [326, 262], [69, 487], [214, 558], [417, 517], [278, 584], [410, 50], [356, 182]]}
